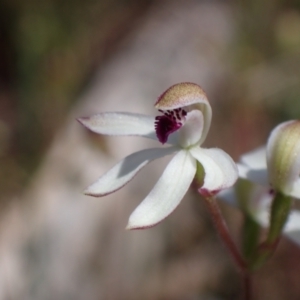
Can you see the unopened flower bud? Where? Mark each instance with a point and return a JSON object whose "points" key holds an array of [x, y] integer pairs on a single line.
{"points": [[283, 156]]}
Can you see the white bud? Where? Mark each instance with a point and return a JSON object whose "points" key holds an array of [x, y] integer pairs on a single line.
{"points": [[283, 156]]}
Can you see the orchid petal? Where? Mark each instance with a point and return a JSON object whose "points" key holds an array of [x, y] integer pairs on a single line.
{"points": [[292, 227], [259, 176], [220, 170], [255, 159], [125, 170], [253, 166], [120, 123], [190, 133], [295, 192], [166, 194]]}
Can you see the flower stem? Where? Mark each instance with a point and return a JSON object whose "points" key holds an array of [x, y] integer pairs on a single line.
{"points": [[247, 286], [225, 236], [280, 210]]}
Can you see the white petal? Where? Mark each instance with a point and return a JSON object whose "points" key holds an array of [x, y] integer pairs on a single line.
{"points": [[296, 189], [293, 222], [256, 159], [220, 170], [243, 170], [259, 204], [125, 170], [259, 176], [119, 123], [190, 133], [166, 194], [292, 227], [253, 166]]}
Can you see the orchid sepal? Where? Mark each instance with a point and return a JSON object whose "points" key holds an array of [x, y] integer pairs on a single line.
{"points": [[120, 124], [123, 172]]}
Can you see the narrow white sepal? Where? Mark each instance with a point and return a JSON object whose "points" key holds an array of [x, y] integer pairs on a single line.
{"points": [[220, 170], [120, 123], [125, 170], [166, 194]]}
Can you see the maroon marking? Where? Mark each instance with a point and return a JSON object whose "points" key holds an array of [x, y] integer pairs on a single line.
{"points": [[170, 121]]}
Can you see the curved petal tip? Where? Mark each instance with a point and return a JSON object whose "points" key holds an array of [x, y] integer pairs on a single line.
{"points": [[220, 170]]}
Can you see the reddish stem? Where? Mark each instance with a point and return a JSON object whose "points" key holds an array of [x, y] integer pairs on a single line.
{"points": [[225, 236]]}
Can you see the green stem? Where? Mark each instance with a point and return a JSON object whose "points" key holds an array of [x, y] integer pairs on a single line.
{"points": [[247, 286], [280, 210], [251, 232], [279, 213]]}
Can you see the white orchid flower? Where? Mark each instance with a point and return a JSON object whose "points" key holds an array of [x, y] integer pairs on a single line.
{"points": [[184, 124], [278, 164], [275, 168]]}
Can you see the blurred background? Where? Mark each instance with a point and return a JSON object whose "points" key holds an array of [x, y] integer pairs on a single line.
{"points": [[64, 59]]}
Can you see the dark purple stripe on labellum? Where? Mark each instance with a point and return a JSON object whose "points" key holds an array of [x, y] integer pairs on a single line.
{"points": [[170, 121]]}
